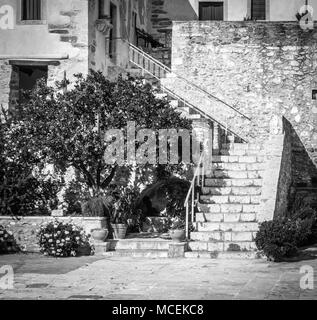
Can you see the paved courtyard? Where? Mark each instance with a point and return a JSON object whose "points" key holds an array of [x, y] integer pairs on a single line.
{"points": [[38, 277]]}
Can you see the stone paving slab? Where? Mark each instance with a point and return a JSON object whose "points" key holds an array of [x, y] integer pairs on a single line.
{"points": [[116, 278]]}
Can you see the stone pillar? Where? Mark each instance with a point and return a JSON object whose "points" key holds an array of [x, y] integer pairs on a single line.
{"points": [[215, 137], [177, 250]]}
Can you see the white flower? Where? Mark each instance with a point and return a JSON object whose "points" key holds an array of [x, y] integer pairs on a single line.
{"points": [[50, 241], [57, 241]]}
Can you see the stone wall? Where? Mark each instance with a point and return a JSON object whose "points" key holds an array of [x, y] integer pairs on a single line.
{"points": [[25, 229], [262, 69]]}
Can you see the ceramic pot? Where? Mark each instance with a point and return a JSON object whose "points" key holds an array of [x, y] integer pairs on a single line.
{"points": [[119, 230], [177, 235], [100, 235]]}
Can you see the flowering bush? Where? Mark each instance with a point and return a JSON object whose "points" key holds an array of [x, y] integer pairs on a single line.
{"points": [[61, 239], [7, 242]]}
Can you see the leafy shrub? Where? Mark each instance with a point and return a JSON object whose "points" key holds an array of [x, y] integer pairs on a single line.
{"points": [[281, 238], [124, 204], [7, 241], [24, 189], [61, 239]]}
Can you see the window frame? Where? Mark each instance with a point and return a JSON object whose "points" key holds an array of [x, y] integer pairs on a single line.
{"points": [[43, 20]]}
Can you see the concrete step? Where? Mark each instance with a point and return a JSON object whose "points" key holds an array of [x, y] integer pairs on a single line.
{"points": [[226, 217], [235, 174], [221, 255], [233, 182], [227, 226], [235, 166], [153, 254], [210, 236], [234, 191], [139, 244], [228, 199], [228, 208], [238, 159], [221, 246]]}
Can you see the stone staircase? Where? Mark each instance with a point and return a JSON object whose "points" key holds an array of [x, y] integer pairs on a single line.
{"points": [[226, 217]]}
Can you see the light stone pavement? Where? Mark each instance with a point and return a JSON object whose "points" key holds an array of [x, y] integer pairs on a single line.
{"points": [[151, 279]]}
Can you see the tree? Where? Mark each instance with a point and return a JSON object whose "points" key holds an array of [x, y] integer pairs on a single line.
{"points": [[68, 128]]}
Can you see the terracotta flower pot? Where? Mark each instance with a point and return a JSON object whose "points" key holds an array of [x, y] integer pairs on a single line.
{"points": [[177, 235], [119, 231], [100, 235]]}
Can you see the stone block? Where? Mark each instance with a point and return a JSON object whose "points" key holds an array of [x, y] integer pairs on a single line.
{"points": [[177, 250]]}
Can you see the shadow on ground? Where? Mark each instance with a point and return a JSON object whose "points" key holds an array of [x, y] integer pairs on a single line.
{"points": [[36, 263]]}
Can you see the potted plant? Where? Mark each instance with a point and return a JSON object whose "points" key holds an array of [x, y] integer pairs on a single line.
{"points": [[124, 210], [177, 229]]}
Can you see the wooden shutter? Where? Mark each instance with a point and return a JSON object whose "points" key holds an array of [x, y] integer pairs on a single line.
{"points": [[211, 11], [258, 9], [31, 9]]}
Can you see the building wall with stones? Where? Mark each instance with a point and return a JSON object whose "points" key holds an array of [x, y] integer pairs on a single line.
{"points": [[264, 70], [59, 40]]}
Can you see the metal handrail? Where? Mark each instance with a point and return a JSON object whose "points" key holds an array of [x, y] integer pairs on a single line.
{"points": [[193, 85], [178, 97], [199, 173]]}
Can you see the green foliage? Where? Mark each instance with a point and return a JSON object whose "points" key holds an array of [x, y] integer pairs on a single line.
{"points": [[24, 188], [7, 241], [281, 238], [60, 239], [125, 205], [67, 128]]}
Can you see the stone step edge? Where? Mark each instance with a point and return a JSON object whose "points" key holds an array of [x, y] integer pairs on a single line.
{"points": [[222, 255]]}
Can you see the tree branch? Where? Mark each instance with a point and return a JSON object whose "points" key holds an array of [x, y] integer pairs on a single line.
{"points": [[107, 181]]}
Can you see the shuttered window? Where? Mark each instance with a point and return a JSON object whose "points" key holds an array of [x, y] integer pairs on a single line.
{"points": [[31, 9], [210, 10], [258, 9]]}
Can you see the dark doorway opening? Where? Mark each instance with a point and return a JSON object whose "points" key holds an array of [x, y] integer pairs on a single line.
{"points": [[211, 11], [28, 77]]}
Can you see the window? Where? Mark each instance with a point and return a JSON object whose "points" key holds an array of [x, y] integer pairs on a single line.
{"points": [[102, 9], [31, 10], [211, 11], [113, 31], [258, 9]]}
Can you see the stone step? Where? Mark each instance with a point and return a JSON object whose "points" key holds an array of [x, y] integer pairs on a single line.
{"points": [[221, 255], [221, 246], [228, 199], [242, 152], [238, 159], [226, 226], [240, 146], [174, 104], [235, 174], [226, 217], [233, 182], [228, 208], [210, 236], [139, 244], [153, 254], [234, 191], [228, 166]]}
